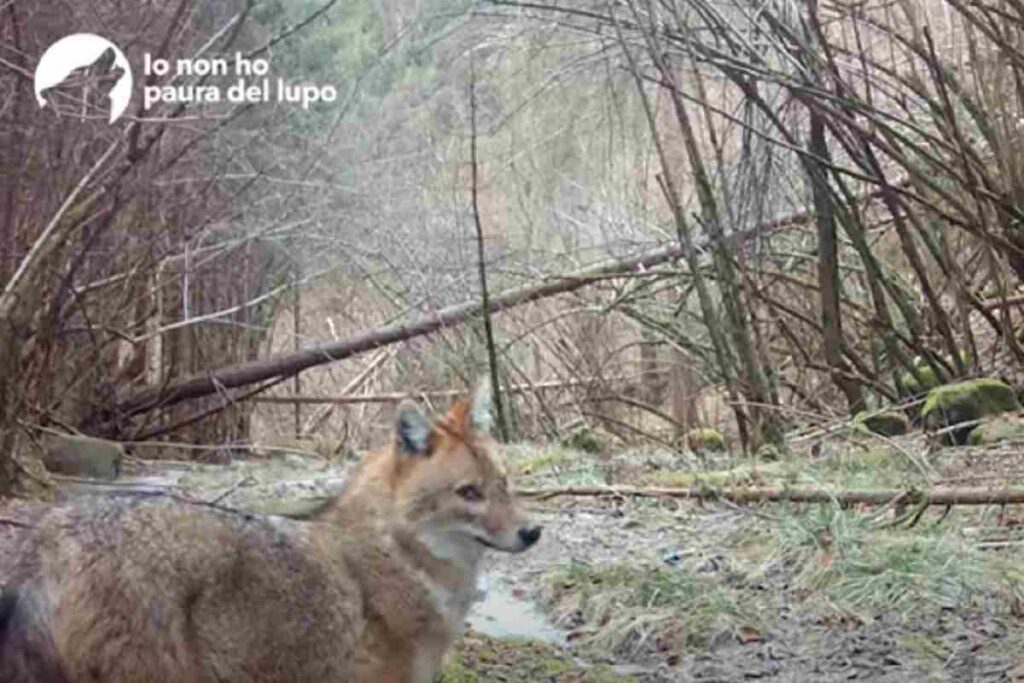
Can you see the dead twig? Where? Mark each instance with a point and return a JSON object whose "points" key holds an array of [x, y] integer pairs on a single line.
{"points": [[231, 489], [13, 522], [805, 494]]}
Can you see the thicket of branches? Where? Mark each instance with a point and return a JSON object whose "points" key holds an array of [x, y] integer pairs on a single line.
{"points": [[892, 129]]}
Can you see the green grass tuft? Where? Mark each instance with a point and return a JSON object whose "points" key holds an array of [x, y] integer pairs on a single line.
{"points": [[456, 672]]}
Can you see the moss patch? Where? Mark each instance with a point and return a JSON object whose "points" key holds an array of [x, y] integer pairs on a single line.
{"points": [[456, 672], [704, 440], [743, 475], [974, 399], [481, 658], [770, 452], [545, 460]]}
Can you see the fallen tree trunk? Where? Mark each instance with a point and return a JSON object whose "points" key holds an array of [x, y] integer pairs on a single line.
{"points": [[284, 365], [798, 494], [396, 396]]}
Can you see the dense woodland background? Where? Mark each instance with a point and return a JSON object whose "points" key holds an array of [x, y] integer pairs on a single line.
{"points": [[830, 196]]}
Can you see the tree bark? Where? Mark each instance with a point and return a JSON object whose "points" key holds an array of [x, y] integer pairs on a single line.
{"points": [[828, 269]]}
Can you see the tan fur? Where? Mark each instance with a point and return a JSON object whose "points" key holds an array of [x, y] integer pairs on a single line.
{"points": [[375, 589]]}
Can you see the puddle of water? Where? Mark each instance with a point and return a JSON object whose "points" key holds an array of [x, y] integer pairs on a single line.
{"points": [[500, 614]]}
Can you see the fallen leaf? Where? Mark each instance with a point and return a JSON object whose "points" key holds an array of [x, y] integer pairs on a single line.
{"points": [[749, 634]]}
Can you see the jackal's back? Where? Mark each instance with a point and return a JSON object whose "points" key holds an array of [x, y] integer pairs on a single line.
{"points": [[155, 589]]}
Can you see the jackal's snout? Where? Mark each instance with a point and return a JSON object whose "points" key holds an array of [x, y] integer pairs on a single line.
{"points": [[522, 538], [505, 526]]}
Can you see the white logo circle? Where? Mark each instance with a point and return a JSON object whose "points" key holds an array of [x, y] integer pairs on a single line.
{"points": [[81, 50]]}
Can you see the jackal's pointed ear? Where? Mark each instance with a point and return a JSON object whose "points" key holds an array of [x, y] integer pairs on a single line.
{"points": [[480, 410], [412, 432]]}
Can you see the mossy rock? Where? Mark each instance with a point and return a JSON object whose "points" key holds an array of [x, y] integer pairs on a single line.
{"points": [[705, 439], [967, 401], [545, 460], [887, 423], [82, 456], [997, 429]]}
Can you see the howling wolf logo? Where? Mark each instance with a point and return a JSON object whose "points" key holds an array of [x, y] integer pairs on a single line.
{"points": [[85, 73]]}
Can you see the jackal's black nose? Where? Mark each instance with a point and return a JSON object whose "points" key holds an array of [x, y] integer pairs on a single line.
{"points": [[529, 535]]}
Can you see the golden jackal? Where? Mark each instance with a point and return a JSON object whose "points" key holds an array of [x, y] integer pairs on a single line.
{"points": [[375, 588]]}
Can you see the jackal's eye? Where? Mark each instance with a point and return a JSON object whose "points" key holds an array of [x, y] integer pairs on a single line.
{"points": [[470, 492]]}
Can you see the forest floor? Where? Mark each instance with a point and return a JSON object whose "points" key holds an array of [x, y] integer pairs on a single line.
{"points": [[665, 590]]}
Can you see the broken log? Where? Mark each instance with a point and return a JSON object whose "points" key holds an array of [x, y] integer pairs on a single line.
{"points": [[797, 494]]}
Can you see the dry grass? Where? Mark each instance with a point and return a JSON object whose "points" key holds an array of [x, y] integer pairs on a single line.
{"points": [[627, 609]]}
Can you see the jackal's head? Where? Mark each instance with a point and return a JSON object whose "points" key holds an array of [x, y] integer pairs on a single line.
{"points": [[450, 484]]}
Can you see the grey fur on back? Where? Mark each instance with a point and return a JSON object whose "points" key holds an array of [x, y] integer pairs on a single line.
{"points": [[140, 588]]}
